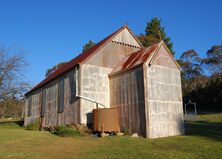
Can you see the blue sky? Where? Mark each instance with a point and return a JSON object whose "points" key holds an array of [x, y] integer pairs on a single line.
{"points": [[55, 30]]}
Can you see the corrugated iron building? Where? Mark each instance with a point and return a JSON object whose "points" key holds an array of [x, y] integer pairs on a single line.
{"points": [[119, 72]]}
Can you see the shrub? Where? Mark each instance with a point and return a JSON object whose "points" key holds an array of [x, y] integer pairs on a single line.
{"points": [[84, 130], [11, 124], [126, 131], [66, 131], [32, 126]]}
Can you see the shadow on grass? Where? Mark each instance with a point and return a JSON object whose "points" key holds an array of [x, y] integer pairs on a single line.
{"points": [[19, 123], [211, 130]]}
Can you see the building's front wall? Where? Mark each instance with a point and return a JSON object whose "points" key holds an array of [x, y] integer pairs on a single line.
{"points": [[164, 102], [94, 84], [127, 93], [51, 117]]}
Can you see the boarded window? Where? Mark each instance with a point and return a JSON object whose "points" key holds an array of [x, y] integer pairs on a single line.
{"points": [[72, 84], [61, 95], [30, 106], [43, 103]]}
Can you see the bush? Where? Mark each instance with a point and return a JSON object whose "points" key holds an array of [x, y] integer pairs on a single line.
{"points": [[10, 124], [126, 131], [32, 126], [66, 131], [84, 130]]}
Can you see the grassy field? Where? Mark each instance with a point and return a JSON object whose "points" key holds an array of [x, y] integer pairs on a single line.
{"points": [[203, 140]]}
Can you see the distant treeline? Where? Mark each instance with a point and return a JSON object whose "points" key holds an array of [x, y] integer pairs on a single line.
{"points": [[202, 79]]}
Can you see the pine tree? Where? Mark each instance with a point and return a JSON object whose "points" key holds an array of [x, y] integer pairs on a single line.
{"points": [[88, 45], [155, 33]]}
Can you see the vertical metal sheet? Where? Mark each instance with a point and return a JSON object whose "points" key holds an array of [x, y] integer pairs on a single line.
{"points": [[126, 93]]}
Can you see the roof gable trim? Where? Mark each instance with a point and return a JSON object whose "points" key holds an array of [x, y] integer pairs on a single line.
{"points": [[168, 51]]}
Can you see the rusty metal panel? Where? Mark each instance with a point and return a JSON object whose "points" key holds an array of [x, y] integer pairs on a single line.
{"points": [[106, 119], [135, 59], [127, 93], [35, 108], [71, 113]]}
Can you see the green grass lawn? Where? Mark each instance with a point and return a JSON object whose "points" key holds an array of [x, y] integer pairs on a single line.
{"points": [[203, 139]]}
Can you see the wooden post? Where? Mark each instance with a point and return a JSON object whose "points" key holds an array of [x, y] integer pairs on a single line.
{"points": [[195, 109]]}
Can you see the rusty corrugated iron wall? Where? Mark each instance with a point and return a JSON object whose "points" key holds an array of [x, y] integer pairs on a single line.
{"points": [[71, 112], [127, 93]]}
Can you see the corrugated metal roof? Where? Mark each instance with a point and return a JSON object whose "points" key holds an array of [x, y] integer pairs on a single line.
{"points": [[135, 59], [77, 60]]}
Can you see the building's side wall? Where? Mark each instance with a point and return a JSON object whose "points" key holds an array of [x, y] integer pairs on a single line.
{"points": [[94, 85], [127, 93], [36, 108], [164, 108], [70, 115], [51, 114]]}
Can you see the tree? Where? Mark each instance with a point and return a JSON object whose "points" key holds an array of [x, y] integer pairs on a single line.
{"points": [[190, 63], [12, 63], [54, 68], [155, 33], [214, 60], [88, 45], [205, 90], [12, 85], [192, 73]]}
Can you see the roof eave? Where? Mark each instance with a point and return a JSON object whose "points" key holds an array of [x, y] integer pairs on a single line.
{"points": [[34, 89], [125, 70]]}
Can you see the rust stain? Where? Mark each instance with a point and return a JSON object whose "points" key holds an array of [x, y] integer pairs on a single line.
{"points": [[135, 58], [106, 119], [129, 60]]}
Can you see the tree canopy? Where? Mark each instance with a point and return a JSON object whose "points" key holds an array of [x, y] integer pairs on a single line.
{"points": [[190, 63], [214, 59], [88, 45], [12, 83], [154, 33], [202, 79], [51, 70]]}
